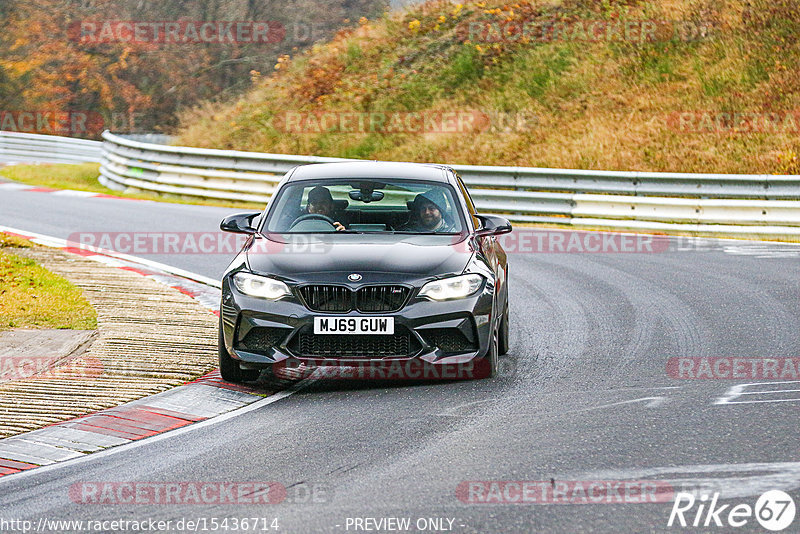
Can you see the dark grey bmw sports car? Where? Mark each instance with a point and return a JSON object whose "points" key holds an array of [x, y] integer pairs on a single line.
{"points": [[366, 263]]}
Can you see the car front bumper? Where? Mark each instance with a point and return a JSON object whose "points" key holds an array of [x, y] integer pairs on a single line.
{"points": [[261, 333]]}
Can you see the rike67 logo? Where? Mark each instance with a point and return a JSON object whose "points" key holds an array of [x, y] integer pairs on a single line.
{"points": [[774, 510]]}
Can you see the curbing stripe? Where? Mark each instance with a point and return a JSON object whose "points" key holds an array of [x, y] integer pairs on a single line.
{"points": [[38, 449], [15, 186], [64, 444], [21, 451], [42, 190], [73, 435], [170, 413], [105, 430], [19, 466], [197, 402], [280, 395], [150, 417], [115, 259], [129, 424]]}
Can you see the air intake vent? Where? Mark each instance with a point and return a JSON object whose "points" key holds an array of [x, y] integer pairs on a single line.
{"points": [[399, 345], [261, 339], [449, 340]]}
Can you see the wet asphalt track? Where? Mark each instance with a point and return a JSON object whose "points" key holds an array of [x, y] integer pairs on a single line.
{"points": [[585, 395]]}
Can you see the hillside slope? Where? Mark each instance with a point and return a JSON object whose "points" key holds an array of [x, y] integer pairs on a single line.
{"points": [[693, 86], [112, 64]]}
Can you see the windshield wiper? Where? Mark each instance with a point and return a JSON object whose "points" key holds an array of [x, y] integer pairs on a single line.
{"points": [[423, 233]]}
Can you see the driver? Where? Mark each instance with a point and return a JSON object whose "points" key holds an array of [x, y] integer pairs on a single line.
{"points": [[320, 202], [428, 213]]}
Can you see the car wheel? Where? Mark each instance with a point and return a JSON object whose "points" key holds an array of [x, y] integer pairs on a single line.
{"points": [[503, 344], [229, 368]]}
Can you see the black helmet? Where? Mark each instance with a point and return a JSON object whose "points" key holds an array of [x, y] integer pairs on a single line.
{"points": [[319, 194]]}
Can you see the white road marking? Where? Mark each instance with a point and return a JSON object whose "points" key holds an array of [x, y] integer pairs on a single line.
{"points": [[58, 242], [762, 251], [737, 480], [15, 186], [645, 388], [114, 259], [73, 193], [654, 403], [740, 390]]}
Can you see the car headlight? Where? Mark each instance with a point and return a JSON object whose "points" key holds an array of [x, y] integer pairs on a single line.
{"points": [[260, 286], [456, 287]]}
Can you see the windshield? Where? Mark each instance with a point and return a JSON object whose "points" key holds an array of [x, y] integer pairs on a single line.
{"points": [[365, 205]]}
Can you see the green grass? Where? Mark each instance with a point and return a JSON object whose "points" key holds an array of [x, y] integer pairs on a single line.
{"points": [[33, 297], [599, 104], [12, 241], [84, 177], [81, 177], [466, 67], [541, 69]]}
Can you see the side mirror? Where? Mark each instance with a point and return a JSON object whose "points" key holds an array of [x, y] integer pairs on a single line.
{"points": [[240, 223], [492, 225]]}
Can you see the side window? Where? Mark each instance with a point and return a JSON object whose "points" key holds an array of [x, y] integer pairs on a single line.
{"points": [[470, 206]]}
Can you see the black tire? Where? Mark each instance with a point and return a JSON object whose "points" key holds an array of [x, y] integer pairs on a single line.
{"points": [[229, 368], [503, 341]]}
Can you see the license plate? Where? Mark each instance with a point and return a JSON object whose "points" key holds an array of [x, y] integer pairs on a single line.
{"points": [[354, 325]]}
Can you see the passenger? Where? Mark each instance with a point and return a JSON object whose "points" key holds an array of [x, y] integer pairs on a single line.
{"points": [[428, 214]]}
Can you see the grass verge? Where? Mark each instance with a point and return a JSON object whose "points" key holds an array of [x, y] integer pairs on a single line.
{"points": [[713, 88], [84, 177], [33, 297]]}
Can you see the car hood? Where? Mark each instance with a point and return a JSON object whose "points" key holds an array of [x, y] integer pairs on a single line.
{"points": [[316, 257]]}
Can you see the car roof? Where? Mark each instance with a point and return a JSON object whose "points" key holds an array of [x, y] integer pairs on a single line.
{"points": [[370, 169]]}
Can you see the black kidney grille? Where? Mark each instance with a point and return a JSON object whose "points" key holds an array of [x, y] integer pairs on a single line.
{"points": [[381, 298], [369, 299], [399, 344], [326, 298]]}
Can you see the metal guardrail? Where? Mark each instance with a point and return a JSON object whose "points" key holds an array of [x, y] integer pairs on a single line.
{"points": [[756, 205], [16, 147]]}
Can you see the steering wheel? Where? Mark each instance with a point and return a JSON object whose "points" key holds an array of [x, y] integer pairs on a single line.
{"points": [[313, 217]]}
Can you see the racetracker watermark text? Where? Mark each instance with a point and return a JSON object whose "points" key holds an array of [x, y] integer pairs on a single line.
{"points": [[465, 121], [564, 492], [51, 122], [734, 122], [177, 32], [196, 492], [412, 370], [76, 367], [727, 368], [521, 241], [587, 30]]}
